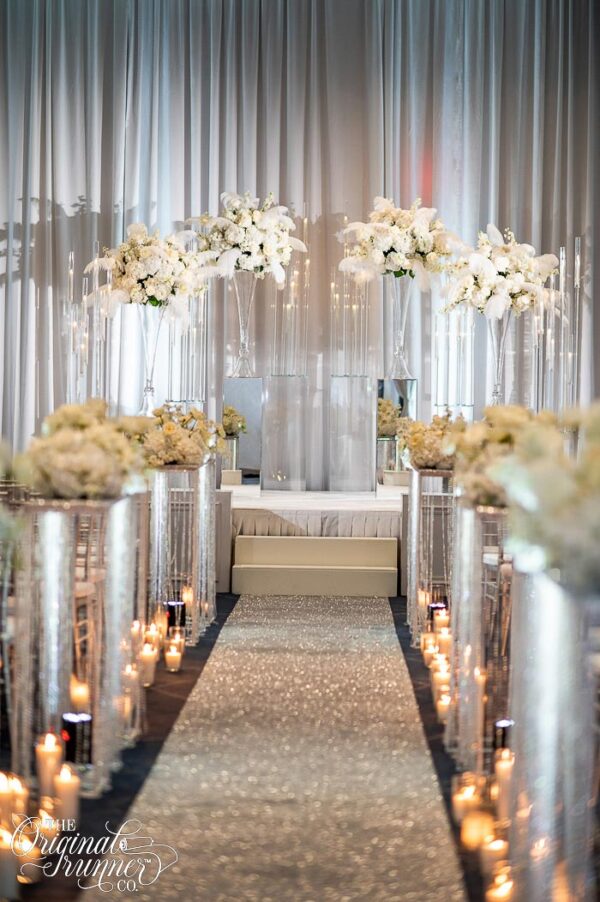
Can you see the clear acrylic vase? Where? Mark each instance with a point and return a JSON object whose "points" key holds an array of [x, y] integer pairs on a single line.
{"points": [[401, 288], [151, 320], [244, 286], [498, 332]]}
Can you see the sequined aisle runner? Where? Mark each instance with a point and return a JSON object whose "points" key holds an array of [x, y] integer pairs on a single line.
{"points": [[298, 769]]}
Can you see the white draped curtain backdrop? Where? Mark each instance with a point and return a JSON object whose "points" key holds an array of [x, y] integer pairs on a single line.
{"points": [[118, 111]]}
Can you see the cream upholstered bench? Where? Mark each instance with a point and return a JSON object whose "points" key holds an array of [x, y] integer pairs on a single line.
{"points": [[307, 565]]}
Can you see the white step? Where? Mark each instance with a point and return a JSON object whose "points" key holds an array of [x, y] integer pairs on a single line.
{"points": [[316, 550], [306, 565]]}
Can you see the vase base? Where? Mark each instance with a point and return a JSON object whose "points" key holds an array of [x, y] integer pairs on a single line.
{"points": [[148, 402]]}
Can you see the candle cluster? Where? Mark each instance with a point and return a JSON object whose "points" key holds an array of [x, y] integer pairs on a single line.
{"points": [[436, 646], [481, 805], [159, 637]]}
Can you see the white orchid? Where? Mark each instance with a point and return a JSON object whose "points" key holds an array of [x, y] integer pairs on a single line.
{"points": [[249, 236], [401, 242], [499, 275]]}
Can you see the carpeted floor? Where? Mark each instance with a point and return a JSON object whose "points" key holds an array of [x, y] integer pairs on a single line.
{"points": [[298, 768]]}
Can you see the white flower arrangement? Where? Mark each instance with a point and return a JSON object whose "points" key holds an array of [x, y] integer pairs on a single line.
{"points": [[178, 438], [481, 446], [147, 269], [81, 455], [498, 275], [554, 499], [426, 446], [249, 236], [388, 414], [233, 421], [399, 242]]}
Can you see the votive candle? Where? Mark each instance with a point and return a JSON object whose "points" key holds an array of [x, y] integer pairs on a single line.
{"points": [[172, 658]]}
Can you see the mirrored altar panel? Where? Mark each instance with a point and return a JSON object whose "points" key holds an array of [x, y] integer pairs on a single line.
{"points": [[245, 394], [402, 393]]}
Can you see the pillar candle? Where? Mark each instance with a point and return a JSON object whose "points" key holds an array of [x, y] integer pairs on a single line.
{"points": [[48, 757], [6, 801], [47, 824], [148, 656], [67, 786], [501, 887], [427, 639], [27, 853], [465, 799], [439, 678], [444, 640], [80, 696], [442, 707], [492, 851], [20, 796], [9, 863], [441, 619], [475, 827], [187, 595], [428, 654], [152, 636], [503, 768]]}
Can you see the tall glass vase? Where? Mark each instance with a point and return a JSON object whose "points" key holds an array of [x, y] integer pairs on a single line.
{"points": [[244, 286], [151, 320], [401, 288], [498, 332]]}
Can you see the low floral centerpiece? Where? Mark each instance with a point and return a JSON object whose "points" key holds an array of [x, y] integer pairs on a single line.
{"points": [[479, 447], [233, 421], [426, 446], [554, 498], [179, 438], [81, 454]]}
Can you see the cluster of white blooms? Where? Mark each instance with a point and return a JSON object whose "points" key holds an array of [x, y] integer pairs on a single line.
{"points": [[82, 454], [482, 445], [181, 438], [147, 269], [233, 421], [387, 416], [249, 236], [498, 275], [554, 499], [402, 242], [425, 445]]}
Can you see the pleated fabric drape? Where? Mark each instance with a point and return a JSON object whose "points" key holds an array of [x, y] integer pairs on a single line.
{"points": [[116, 111]]}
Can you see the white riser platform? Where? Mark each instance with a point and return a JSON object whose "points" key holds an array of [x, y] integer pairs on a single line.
{"points": [[300, 565]]}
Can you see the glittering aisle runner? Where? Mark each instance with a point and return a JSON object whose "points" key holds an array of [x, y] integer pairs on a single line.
{"points": [[298, 769]]}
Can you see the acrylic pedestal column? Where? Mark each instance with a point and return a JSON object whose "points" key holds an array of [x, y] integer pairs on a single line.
{"points": [[429, 544], [553, 702], [283, 465], [352, 432], [75, 597]]}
